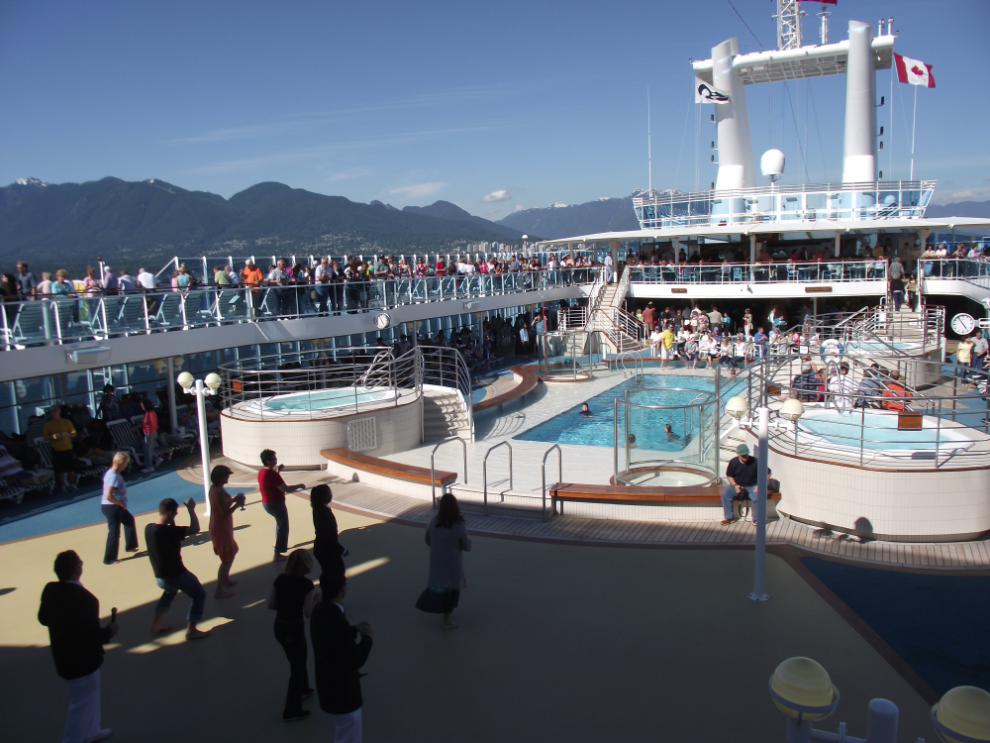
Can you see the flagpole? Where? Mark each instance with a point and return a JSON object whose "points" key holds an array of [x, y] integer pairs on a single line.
{"points": [[914, 127], [649, 139], [890, 134]]}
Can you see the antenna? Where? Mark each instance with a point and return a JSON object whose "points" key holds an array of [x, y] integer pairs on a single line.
{"points": [[824, 29], [649, 139]]}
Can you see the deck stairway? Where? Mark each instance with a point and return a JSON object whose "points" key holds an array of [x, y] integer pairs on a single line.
{"points": [[444, 417]]}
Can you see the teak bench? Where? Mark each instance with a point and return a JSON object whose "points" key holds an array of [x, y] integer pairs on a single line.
{"points": [[633, 495], [397, 470]]}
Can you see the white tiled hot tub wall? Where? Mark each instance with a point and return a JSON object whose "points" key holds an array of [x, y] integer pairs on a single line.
{"points": [[906, 506], [298, 443]]}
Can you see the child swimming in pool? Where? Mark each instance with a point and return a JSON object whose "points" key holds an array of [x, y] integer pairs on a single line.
{"points": [[585, 410], [671, 436]]}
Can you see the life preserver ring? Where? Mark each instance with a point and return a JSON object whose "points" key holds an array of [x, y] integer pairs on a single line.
{"points": [[832, 348]]}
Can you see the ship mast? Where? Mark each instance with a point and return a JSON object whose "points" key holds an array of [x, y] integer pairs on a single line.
{"points": [[788, 25]]}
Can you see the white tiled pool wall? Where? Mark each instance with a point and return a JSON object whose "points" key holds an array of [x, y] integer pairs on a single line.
{"points": [[299, 443], [913, 505]]}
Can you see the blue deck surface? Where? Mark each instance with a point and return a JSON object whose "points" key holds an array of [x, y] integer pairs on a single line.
{"points": [[936, 623], [37, 516]]}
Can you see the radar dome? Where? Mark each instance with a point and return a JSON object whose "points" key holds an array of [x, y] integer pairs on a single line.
{"points": [[772, 163]]}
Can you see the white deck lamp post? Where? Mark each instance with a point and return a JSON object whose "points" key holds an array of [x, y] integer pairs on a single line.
{"points": [[197, 387], [802, 690], [738, 408]]}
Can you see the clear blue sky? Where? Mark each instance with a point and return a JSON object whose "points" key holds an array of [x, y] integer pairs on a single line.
{"points": [[527, 102]]}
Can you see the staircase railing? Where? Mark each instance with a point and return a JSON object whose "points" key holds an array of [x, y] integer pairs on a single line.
{"points": [[446, 367]]}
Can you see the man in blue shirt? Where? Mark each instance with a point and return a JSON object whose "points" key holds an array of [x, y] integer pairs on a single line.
{"points": [[760, 339]]}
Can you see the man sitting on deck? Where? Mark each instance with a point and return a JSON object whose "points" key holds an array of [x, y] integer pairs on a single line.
{"points": [[742, 475]]}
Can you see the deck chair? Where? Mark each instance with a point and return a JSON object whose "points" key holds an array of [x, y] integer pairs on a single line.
{"points": [[232, 306], [169, 313], [44, 485], [63, 312], [44, 450], [125, 438], [29, 325], [131, 318], [111, 308]]}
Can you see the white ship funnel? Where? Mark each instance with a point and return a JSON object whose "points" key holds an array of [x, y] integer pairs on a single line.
{"points": [[859, 156], [735, 148]]}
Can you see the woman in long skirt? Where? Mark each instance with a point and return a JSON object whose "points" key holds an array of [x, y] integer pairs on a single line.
{"points": [[448, 540]]}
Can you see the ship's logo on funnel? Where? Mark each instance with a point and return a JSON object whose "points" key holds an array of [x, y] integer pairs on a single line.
{"points": [[705, 93]]}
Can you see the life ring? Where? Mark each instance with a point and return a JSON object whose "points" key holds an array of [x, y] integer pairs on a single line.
{"points": [[831, 348]]}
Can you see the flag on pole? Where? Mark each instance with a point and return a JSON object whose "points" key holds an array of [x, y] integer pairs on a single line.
{"points": [[706, 93], [913, 71]]}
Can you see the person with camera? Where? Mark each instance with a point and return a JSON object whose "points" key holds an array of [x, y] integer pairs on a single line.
{"points": [[72, 615], [273, 490]]}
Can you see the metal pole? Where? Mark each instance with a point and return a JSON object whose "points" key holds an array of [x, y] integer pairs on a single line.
{"points": [[615, 447], [204, 441], [914, 127], [881, 721], [170, 381], [718, 423], [760, 506]]}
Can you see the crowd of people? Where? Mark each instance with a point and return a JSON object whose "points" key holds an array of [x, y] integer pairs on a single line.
{"points": [[340, 649]]}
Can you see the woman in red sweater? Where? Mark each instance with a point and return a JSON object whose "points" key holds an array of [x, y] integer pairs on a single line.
{"points": [[149, 430]]}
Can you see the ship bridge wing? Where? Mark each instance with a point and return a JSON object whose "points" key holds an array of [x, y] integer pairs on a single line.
{"points": [[796, 64]]}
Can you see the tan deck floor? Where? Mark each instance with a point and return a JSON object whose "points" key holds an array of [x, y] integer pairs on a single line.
{"points": [[557, 641]]}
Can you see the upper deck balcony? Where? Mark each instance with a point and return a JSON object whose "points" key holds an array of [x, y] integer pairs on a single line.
{"points": [[870, 201]]}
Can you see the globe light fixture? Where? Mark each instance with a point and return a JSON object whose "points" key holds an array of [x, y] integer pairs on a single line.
{"points": [[737, 407], [802, 690], [963, 715], [792, 409], [196, 387]]}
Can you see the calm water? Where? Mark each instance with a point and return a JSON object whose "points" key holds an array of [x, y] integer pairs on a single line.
{"points": [[646, 425], [879, 432], [320, 399]]}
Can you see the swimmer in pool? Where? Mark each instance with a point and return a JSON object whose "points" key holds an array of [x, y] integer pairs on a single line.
{"points": [[671, 436], [585, 410], [631, 441]]}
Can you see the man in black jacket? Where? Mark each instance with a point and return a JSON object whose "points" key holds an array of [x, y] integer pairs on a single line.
{"points": [[72, 615], [338, 659]]}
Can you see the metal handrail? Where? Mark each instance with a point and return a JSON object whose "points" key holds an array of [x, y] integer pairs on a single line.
{"points": [[634, 355], [484, 470], [560, 473], [433, 470]]}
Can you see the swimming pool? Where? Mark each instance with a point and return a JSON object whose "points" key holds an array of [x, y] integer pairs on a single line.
{"points": [[324, 399], [878, 431], [597, 429]]}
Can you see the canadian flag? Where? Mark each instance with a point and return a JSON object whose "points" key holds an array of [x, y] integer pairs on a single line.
{"points": [[913, 71]]}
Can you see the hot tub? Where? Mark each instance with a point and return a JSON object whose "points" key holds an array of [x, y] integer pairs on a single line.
{"points": [[830, 430]]}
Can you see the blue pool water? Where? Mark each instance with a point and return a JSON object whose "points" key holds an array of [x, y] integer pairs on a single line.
{"points": [[597, 429], [321, 399], [879, 432]]}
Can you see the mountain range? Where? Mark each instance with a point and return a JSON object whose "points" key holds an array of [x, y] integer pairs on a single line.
{"points": [[563, 220], [68, 225]]}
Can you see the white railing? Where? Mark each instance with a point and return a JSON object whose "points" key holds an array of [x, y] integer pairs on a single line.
{"points": [[52, 319], [782, 203], [805, 272]]}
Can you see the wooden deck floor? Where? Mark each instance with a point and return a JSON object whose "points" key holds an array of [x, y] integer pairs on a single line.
{"points": [[957, 556], [949, 556]]}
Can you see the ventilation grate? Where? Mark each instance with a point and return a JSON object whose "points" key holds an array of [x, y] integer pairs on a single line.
{"points": [[362, 435]]}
